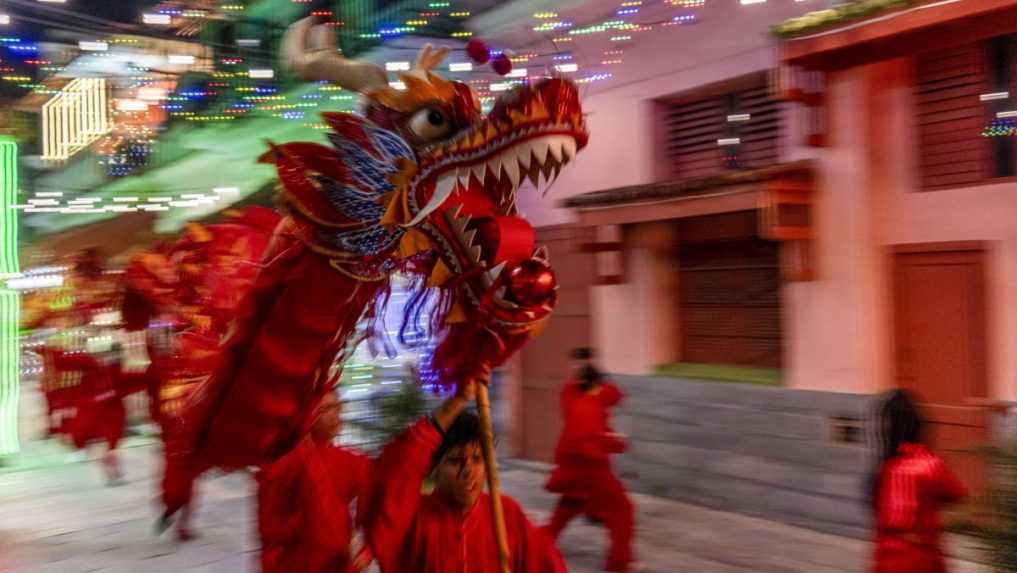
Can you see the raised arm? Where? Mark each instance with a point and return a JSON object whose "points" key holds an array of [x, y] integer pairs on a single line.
{"points": [[398, 477]]}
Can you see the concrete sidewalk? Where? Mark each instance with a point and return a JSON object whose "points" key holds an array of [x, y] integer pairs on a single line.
{"points": [[61, 518]]}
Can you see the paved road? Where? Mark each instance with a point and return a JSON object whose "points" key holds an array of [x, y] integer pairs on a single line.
{"points": [[58, 517]]}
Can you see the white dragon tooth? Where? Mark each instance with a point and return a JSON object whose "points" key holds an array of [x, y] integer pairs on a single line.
{"points": [[442, 190], [494, 166], [492, 274], [524, 153], [458, 224], [540, 149], [464, 178], [478, 172], [556, 149], [476, 253], [511, 167], [541, 253], [468, 236], [569, 148], [454, 211]]}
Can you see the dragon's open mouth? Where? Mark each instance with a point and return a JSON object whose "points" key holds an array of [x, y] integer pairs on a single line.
{"points": [[535, 155], [529, 136], [464, 193]]}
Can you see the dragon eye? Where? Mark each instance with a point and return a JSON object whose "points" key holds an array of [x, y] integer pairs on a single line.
{"points": [[430, 124]]}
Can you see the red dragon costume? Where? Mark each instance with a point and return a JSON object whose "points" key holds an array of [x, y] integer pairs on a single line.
{"points": [[193, 284], [422, 183]]}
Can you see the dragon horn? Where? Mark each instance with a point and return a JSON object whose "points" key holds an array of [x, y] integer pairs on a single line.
{"points": [[311, 53]]}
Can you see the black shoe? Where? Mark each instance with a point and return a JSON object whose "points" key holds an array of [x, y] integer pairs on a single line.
{"points": [[165, 522]]}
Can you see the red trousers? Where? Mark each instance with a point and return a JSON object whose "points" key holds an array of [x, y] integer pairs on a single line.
{"points": [[99, 420], [607, 502]]}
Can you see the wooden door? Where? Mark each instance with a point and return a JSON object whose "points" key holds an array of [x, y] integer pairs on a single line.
{"points": [[940, 346]]}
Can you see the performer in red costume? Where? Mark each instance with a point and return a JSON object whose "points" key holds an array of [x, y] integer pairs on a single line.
{"points": [[99, 412], [583, 473], [304, 500], [910, 487], [195, 284], [99, 409], [449, 529]]}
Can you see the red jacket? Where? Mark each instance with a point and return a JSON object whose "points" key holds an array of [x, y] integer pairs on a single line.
{"points": [[410, 532], [587, 440], [303, 508], [912, 488]]}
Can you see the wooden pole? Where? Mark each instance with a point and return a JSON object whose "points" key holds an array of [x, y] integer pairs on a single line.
{"points": [[491, 460]]}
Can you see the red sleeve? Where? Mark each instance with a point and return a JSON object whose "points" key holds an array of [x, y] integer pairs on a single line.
{"points": [[534, 550], [610, 395], [947, 486], [279, 499], [614, 444], [398, 477]]}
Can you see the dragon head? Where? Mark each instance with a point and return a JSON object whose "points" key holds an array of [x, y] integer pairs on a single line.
{"points": [[423, 181]]}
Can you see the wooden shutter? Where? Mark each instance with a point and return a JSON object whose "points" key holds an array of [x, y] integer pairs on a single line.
{"points": [[728, 292], [950, 117], [761, 134], [693, 129], [694, 126]]}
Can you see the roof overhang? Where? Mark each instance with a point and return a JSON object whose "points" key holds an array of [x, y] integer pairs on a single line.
{"points": [[737, 191], [925, 26]]}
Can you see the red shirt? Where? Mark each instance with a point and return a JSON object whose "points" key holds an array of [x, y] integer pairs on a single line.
{"points": [[913, 486], [587, 440], [410, 532], [304, 508]]}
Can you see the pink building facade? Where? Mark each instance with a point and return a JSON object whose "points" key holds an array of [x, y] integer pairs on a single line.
{"points": [[912, 279]]}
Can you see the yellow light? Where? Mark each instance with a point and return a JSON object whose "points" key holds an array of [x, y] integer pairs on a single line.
{"points": [[74, 118]]}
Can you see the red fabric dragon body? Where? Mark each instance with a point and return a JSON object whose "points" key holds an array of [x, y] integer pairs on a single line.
{"points": [[422, 184]]}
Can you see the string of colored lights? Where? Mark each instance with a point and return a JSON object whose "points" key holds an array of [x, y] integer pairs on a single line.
{"points": [[10, 304], [233, 91]]}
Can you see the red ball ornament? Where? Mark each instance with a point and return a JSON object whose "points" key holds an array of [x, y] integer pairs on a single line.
{"points": [[531, 283], [478, 51], [501, 64]]}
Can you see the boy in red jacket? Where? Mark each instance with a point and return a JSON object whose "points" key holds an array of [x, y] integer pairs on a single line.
{"points": [[449, 529], [583, 473]]}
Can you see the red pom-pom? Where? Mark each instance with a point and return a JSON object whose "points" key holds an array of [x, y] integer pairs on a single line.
{"points": [[502, 64], [478, 51], [532, 282]]}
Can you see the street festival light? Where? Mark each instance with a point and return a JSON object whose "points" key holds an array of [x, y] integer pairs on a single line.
{"points": [[74, 118], [10, 305]]}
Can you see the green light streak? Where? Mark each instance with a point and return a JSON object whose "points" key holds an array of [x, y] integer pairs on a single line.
{"points": [[10, 305]]}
